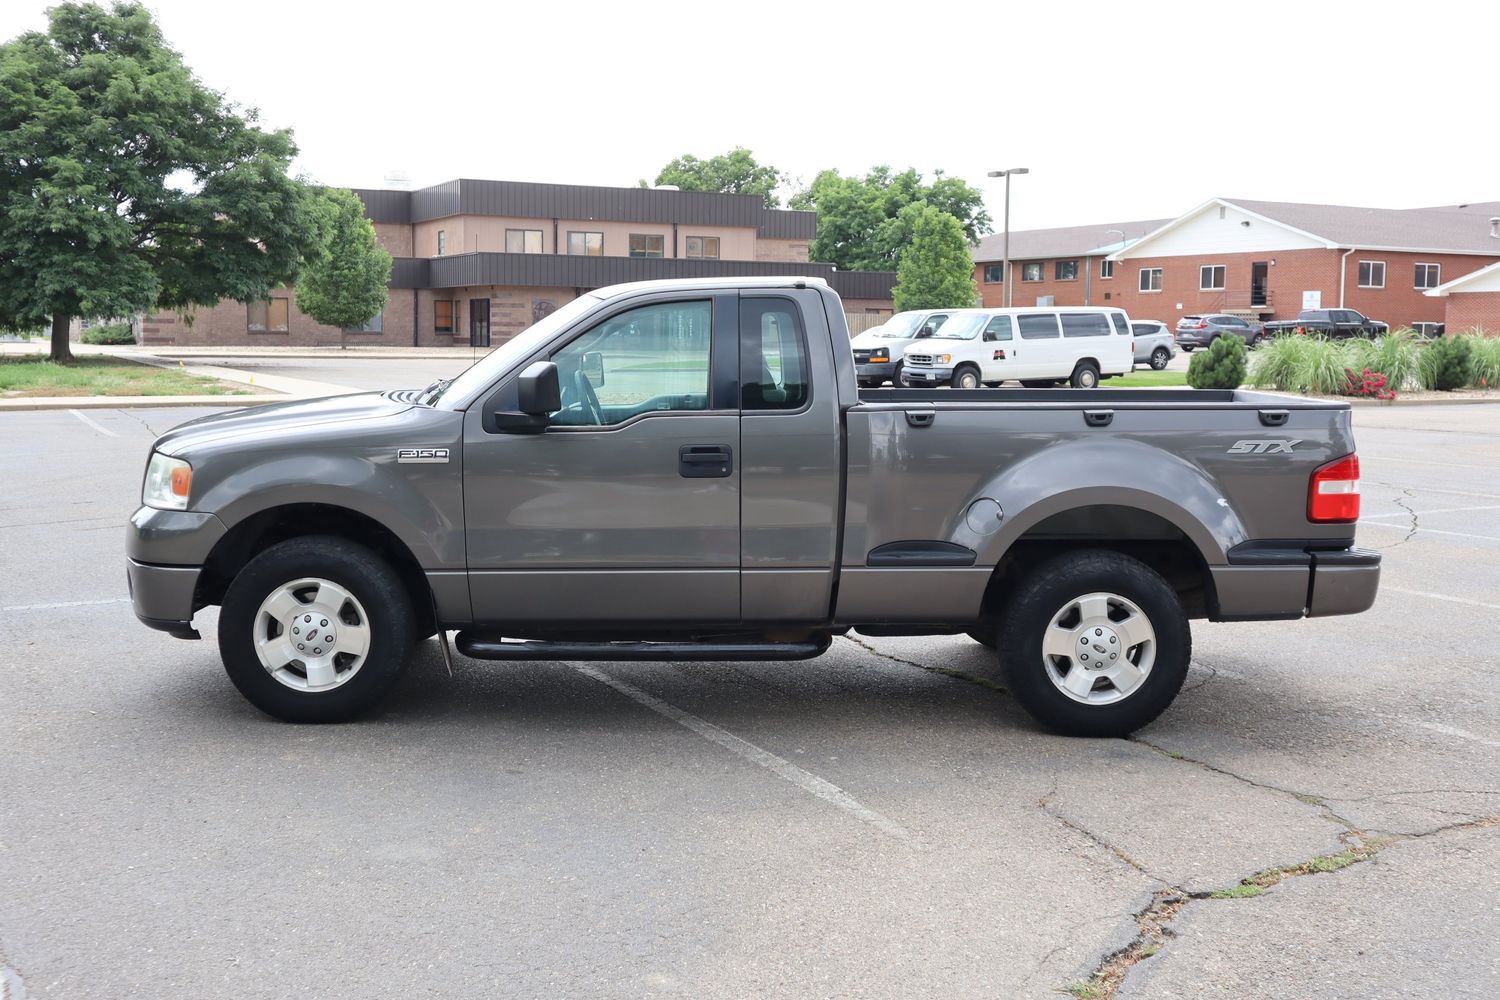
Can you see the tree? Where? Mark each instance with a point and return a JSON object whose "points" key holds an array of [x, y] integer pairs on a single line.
{"points": [[936, 271], [859, 227], [1222, 366], [344, 281], [126, 184], [734, 172]]}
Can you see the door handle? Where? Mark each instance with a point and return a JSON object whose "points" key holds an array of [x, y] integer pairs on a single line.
{"points": [[705, 461]]}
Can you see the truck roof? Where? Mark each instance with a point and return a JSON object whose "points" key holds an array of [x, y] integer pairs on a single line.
{"points": [[777, 281]]}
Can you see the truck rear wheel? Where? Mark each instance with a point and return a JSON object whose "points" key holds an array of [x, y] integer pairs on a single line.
{"points": [[315, 629], [1160, 358], [1094, 643]]}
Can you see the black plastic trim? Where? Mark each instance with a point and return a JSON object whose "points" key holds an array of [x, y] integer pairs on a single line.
{"points": [[483, 646], [1286, 551], [1347, 557], [921, 553], [176, 629]]}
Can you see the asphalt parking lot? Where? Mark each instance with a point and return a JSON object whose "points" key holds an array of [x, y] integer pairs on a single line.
{"points": [[881, 822]]}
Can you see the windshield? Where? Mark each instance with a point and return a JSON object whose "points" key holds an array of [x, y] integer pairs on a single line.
{"points": [[900, 326], [487, 369], [961, 328]]}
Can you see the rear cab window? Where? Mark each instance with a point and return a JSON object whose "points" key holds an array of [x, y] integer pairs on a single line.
{"points": [[773, 355]]}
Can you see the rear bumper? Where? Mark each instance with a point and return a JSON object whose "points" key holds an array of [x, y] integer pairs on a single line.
{"points": [[1191, 340], [1261, 584]]}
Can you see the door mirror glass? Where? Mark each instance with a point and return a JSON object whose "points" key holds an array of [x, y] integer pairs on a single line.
{"points": [[538, 391], [593, 367]]}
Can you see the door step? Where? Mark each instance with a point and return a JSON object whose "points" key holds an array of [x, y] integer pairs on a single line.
{"points": [[487, 646]]}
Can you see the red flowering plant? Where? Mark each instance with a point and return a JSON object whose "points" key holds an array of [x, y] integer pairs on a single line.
{"points": [[1371, 385]]}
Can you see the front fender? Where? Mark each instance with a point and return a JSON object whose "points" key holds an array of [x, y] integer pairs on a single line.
{"points": [[1105, 472]]}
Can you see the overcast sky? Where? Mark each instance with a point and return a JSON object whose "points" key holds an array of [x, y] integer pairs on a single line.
{"points": [[1121, 111]]}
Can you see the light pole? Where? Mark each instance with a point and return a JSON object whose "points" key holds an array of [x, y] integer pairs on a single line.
{"points": [[1005, 246]]}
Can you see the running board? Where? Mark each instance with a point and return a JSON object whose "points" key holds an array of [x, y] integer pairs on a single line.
{"points": [[489, 647]]}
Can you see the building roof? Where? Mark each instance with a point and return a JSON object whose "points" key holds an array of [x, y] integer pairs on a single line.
{"points": [[1486, 279], [1070, 241], [1462, 229], [519, 199]]}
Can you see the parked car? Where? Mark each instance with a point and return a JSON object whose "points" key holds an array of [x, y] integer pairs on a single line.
{"points": [[877, 351], [1200, 331], [1154, 343], [1329, 323], [1036, 346], [687, 470]]}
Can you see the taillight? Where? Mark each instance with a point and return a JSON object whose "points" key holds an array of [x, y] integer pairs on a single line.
{"points": [[1200, 325], [1333, 492]]}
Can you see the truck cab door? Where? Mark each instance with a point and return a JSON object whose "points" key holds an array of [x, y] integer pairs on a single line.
{"points": [[625, 507]]}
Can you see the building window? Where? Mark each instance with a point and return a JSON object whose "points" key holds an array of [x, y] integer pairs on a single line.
{"points": [[1150, 279], [442, 316], [1066, 270], [586, 244], [523, 241], [268, 316], [1211, 278], [1106, 268], [442, 242], [1427, 329], [993, 274], [1372, 274], [703, 246], [1031, 272], [371, 326], [646, 245], [1428, 276]]}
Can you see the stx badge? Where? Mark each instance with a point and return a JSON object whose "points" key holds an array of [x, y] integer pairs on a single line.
{"points": [[422, 455], [1266, 447]]}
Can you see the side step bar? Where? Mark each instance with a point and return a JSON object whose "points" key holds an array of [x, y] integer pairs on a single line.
{"points": [[485, 646]]}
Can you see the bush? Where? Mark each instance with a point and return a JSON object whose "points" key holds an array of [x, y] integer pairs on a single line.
{"points": [[1484, 363], [1279, 362], [1447, 363], [113, 333], [1371, 385], [1395, 355], [1222, 366]]}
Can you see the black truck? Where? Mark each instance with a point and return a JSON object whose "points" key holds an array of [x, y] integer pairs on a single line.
{"points": [[1329, 323]]}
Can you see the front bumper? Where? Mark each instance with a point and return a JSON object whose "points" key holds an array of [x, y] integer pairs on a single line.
{"points": [[876, 370], [164, 555], [1261, 584], [926, 376]]}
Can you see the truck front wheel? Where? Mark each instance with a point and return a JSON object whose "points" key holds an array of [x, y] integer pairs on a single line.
{"points": [[1094, 643], [315, 629]]}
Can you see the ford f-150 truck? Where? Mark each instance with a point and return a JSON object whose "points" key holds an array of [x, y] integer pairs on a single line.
{"points": [[1328, 322], [687, 470]]}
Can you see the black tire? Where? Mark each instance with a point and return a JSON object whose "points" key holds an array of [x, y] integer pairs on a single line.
{"points": [[1037, 383], [367, 577], [1186, 349], [1044, 593], [965, 377], [992, 385], [1085, 376], [984, 634], [1160, 358]]}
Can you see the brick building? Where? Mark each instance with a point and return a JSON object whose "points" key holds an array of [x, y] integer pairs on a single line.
{"points": [[1471, 302], [1262, 260], [477, 261]]}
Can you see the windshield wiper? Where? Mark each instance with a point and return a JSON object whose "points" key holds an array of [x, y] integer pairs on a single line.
{"points": [[435, 390]]}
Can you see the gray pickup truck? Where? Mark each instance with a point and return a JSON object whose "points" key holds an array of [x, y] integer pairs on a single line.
{"points": [[687, 470]]}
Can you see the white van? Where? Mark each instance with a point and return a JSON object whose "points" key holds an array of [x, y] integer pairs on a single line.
{"points": [[1037, 346], [877, 351]]}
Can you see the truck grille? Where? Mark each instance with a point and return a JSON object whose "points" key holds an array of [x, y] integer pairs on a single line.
{"points": [[919, 359]]}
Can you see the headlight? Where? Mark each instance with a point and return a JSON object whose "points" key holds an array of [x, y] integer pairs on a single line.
{"points": [[168, 483], [943, 359]]}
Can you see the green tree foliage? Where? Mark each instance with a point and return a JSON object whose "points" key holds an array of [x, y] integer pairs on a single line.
{"points": [[936, 271], [126, 184], [859, 218], [734, 172], [1221, 366], [344, 280], [1446, 362]]}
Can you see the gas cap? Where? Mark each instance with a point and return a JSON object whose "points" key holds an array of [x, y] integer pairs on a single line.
{"points": [[984, 516]]}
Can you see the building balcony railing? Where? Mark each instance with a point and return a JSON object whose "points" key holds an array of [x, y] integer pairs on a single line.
{"points": [[1247, 300]]}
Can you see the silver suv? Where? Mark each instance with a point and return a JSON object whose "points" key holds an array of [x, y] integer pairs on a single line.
{"points": [[1200, 331]]}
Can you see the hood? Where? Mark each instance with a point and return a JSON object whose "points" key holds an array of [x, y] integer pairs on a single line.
{"points": [[260, 422], [868, 338]]}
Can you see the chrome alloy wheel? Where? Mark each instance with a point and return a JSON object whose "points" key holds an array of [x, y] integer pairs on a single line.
{"points": [[311, 635], [1099, 649]]}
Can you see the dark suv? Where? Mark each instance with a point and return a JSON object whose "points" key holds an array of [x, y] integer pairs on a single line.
{"points": [[1200, 331]]}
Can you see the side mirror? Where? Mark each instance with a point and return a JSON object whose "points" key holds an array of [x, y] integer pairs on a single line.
{"points": [[593, 367], [538, 390]]}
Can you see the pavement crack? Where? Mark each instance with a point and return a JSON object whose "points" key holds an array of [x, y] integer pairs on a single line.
{"points": [[131, 414], [1401, 502], [1152, 933], [961, 675]]}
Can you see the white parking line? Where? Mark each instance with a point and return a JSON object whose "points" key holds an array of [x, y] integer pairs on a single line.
{"points": [[1444, 510], [780, 766], [1429, 531], [1442, 597], [1438, 727], [92, 423], [65, 604]]}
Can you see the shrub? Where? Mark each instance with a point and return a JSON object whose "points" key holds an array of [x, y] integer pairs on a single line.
{"points": [[1484, 364], [1222, 366], [1447, 363], [1323, 366], [113, 333], [1393, 355], [1371, 385], [1279, 362]]}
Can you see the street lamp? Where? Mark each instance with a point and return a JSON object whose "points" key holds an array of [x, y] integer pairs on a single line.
{"points": [[1005, 246]]}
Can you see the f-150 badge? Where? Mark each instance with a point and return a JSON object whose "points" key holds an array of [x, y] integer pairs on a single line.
{"points": [[1266, 447], [422, 455]]}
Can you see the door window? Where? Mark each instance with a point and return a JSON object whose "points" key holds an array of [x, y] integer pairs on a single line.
{"points": [[931, 326], [642, 360], [999, 329], [773, 355]]}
